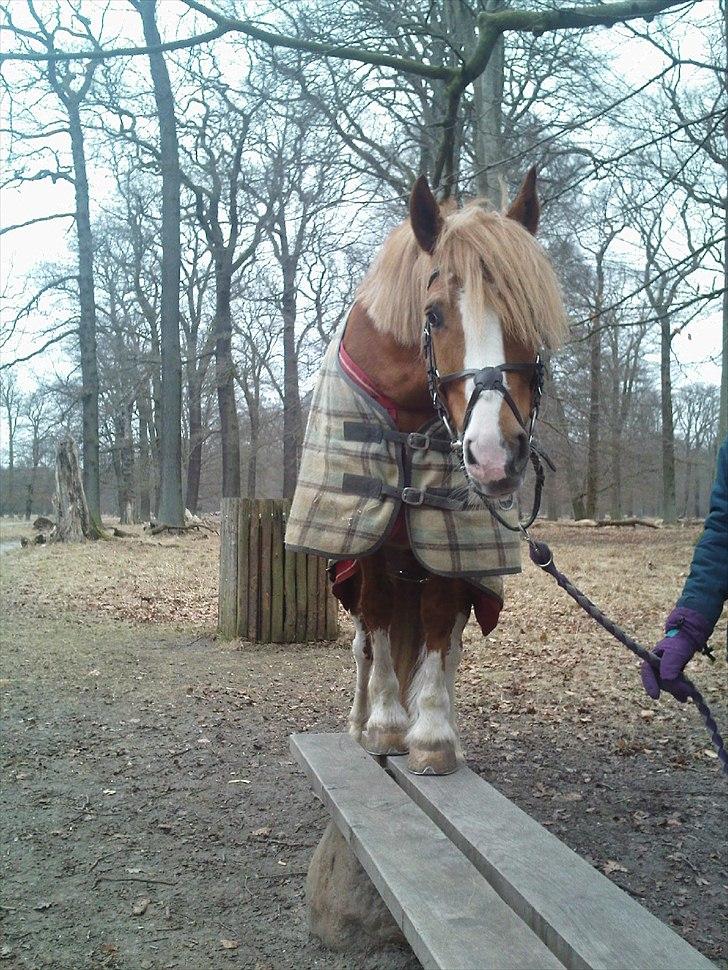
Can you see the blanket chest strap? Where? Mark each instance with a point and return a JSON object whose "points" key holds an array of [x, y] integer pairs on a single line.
{"points": [[374, 488]]}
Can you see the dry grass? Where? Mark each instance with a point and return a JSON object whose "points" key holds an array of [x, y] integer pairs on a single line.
{"points": [[142, 579], [546, 656], [14, 529]]}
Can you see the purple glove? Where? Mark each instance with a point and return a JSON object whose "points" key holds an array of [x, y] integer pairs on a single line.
{"points": [[687, 632]]}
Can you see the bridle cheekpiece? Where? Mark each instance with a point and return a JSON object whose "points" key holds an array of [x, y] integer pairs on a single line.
{"points": [[489, 379]]}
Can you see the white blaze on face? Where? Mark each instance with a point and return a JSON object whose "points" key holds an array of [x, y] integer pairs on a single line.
{"points": [[483, 348]]}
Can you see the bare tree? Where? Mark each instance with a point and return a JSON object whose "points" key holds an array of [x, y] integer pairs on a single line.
{"points": [[71, 89], [12, 404], [171, 509]]}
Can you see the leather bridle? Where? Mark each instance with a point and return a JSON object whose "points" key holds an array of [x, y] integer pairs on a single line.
{"points": [[489, 379]]}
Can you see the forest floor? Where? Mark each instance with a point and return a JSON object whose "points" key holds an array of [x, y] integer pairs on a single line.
{"points": [[152, 816]]}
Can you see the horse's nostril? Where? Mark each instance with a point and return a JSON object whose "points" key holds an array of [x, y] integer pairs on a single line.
{"points": [[469, 456]]}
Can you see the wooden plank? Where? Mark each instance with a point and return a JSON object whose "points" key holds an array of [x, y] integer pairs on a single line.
{"points": [[243, 566], [228, 588], [289, 584], [276, 596], [254, 575], [266, 533], [322, 584], [301, 596], [332, 614], [450, 915], [311, 598], [584, 919]]}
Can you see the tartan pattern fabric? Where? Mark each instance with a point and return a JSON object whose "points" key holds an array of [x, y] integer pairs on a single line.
{"points": [[327, 521]]}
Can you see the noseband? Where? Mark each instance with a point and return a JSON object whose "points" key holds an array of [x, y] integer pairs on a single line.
{"points": [[490, 379]]}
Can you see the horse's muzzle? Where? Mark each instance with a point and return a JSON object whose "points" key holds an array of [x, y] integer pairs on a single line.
{"points": [[514, 468]]}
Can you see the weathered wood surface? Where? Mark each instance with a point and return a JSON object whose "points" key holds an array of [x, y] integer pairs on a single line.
{"points": [[227, 601], [584, 919], [243, 580], [277, 556], [267, 593], [266, 531], [451, 916]]}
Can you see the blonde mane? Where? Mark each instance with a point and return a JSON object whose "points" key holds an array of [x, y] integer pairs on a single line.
{"points": [[491, 256]]}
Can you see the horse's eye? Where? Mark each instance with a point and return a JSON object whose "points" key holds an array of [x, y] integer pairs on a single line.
{"points": [[433, 315]]}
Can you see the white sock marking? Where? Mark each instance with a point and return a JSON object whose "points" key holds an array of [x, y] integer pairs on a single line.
{"points": [[360, 707], [387, 712]]}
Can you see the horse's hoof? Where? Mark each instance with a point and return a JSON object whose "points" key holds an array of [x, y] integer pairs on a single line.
{"points": [[432, 761], [383, 742]]}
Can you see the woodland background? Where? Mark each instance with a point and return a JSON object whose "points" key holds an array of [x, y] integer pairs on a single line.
{"points": [[223, 173]]}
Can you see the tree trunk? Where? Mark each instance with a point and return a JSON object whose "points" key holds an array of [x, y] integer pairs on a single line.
{"points": [[87, 321], [225, 381], [577, 502], [73, 521], [254, 418], [145, 462], [11, 464], [669, 513], [488, 121], [126, 456], [616, 437], [697, 498], [592, 467], [291, 395], [194, 462], [171, 508], [688, 483]]}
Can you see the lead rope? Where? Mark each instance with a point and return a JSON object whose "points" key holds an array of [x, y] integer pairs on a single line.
{"points": [[542, 557]]}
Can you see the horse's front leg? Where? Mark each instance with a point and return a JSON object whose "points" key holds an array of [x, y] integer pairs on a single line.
{"points": [[388, 721], [434, 746], [362, 650]]}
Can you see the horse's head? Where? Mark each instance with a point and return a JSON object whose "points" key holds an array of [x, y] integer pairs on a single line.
{"points": [[491, 304]]}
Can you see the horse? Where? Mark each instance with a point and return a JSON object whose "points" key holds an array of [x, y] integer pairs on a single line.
{"points": [[448, 323]]}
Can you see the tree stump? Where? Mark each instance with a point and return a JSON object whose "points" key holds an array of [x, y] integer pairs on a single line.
{"points": [[345, 910], [73, 522]]}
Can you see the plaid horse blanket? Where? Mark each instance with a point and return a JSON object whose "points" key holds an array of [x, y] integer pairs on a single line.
{"points": [[358, 472]]}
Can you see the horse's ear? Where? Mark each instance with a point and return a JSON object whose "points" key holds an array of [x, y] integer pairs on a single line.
{"points": [[525, 207], [425, 215]]}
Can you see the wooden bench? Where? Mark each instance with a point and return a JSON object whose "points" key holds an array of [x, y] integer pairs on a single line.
{"points": [[473, 881]]}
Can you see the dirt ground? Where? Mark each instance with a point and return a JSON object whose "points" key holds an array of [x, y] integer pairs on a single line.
{"points": [[152, 816]]}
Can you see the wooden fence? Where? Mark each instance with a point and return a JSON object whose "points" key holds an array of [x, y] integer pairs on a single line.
{"points": [[268, 594]]}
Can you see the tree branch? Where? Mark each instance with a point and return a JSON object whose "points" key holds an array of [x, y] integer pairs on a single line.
{"points": [[32, 222]]}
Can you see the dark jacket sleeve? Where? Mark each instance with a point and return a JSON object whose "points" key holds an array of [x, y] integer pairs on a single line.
{"points": [[706, 588]]}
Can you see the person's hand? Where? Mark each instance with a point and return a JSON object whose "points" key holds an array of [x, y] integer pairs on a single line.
{"points": [[686, 632]]}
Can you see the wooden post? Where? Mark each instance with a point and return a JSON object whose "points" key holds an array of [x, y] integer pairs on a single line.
{"points": [[332, 614], [301, 596], [312, 598], [289, 588], [244, 568], [228, 596], [323, 582], [254, 576], [266, 536], [268, 594], [276, 618]]}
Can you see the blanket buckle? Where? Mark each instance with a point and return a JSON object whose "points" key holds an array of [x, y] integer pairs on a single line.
{"points": [[413, 496]]}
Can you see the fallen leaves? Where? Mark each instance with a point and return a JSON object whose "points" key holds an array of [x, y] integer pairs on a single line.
{"points": [[141, 905], [611, 866]]}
